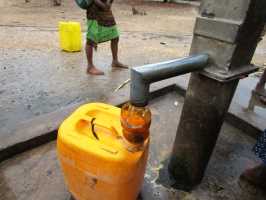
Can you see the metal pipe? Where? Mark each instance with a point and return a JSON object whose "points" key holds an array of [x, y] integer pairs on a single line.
{"points": [[142, 77]]}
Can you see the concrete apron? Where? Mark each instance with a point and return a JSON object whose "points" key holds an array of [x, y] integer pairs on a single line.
{"points": [[36, 174], [43, 129]]}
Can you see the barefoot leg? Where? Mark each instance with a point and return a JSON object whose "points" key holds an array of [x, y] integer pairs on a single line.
{"points": [[91, 68], [114, 48]]}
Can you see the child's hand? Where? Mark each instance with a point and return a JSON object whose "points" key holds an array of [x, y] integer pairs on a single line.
{"points": [[105, 6], [108, 6]]}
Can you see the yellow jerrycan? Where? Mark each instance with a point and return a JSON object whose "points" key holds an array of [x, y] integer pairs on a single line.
{"points": [[98, 161], [70, 36]]}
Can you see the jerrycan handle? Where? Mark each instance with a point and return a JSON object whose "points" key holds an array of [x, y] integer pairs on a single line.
{"points": [[93, 128], [92, 121]]}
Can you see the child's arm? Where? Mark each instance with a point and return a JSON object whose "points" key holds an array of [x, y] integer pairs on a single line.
{"points": [[102, 5]]}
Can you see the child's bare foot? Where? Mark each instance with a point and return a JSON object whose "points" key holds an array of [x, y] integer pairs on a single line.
{"points": [[94, 71], [261, 92], [118, 64], [256, 176]]}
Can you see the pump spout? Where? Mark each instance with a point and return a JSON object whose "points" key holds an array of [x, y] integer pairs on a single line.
{"points": [[142, 77]]}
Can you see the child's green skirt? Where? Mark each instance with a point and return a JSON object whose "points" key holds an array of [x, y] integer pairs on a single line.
{"points": [[98, 34]]}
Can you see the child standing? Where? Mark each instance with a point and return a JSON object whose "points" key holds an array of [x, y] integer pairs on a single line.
{"points": [[101, 28]]}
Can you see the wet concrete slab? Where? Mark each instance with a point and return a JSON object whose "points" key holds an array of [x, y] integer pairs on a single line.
{"points": [[36, 174], [40, 88], [250, 121], [42, 129], [35, 84]]}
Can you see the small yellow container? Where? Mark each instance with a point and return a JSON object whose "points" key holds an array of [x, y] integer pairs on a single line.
{"points": [[97, 162], [70, 36]]}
